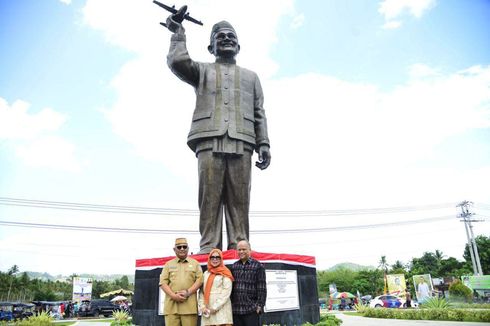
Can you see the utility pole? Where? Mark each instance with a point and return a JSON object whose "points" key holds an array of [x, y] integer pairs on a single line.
{"points": [[466, 218]]}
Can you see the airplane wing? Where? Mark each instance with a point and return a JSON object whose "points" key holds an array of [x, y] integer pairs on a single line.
{"points": [[195, 21], [164, 6]]}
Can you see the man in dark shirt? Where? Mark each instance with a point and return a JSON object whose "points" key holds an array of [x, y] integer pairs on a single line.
{"points": [[249, 288]]}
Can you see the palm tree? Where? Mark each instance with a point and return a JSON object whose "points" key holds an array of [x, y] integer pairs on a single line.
{"points": [[439, 256], [383, 264], [397, 266], [12, 271]]}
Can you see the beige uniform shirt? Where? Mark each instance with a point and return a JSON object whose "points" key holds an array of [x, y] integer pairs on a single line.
{"points": [[180, 275]]}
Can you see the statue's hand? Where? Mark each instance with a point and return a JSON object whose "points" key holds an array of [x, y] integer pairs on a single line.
{"points": [[264, 157], [174, 25]]}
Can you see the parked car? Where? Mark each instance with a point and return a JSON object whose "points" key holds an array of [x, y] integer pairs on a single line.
{"points": [[366, 299], [387, 301], [97, 308], [6, 311], [22, 310]]}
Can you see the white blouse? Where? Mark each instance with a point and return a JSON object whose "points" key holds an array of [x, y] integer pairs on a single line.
{"points": [[219, 300]]}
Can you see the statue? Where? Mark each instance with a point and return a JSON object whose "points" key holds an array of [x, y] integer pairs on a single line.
{"points": [[228, 124]]}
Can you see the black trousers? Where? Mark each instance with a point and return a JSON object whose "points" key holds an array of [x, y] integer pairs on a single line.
{"points": [[251, 319]]}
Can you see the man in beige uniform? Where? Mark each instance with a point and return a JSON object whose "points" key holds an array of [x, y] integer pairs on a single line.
{"points": [[180, 279]]}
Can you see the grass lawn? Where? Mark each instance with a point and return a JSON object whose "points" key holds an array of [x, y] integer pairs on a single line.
{"points": [[352, 313]]}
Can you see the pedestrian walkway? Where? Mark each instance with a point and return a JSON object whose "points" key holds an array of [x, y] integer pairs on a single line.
{"points": [[92, 323], [362, 321]]}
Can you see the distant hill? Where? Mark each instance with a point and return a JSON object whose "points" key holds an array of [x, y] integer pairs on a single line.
{"points": [[350, 266], [98, 277]]}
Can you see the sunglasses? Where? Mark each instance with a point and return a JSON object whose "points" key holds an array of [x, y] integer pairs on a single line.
{"points": [[181, 247], [215, 257]]}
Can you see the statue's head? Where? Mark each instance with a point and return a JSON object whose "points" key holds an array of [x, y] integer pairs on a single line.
{"points": [[224, 41]]}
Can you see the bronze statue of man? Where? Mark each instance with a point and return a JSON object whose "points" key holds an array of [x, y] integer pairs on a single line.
{"points": [[228, 124]]}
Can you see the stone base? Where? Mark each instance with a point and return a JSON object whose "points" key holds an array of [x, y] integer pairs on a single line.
{"points": [[147, 277]]}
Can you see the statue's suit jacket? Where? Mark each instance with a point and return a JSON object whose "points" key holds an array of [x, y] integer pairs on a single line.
{"points": [[228, 98]]}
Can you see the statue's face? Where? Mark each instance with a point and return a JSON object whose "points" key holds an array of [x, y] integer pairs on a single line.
{"points": [[225, 44]]}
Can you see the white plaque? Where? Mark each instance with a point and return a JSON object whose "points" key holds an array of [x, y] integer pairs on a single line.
{"points": [[282, 290]]}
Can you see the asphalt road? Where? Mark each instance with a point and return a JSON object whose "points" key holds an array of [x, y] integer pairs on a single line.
{"points": [[91, 323], [362, 321]]}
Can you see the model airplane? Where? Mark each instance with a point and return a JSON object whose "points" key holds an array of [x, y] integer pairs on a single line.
{"points": [[179, 15]]}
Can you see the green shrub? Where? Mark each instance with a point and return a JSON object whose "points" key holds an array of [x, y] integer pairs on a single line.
{"points": [[326, 320], [463, 305], [120, 318], [360, 308], [443, 314], [459, 291], [435, 303], [43, 319]]}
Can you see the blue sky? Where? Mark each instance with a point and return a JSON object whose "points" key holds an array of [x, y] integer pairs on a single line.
{"points": [[371, 104]]}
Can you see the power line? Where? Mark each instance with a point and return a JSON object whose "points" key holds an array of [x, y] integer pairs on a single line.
{"points": [[7, 201], [269, 231], [482, 206]]}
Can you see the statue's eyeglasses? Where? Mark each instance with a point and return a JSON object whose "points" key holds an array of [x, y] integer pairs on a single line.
{"points": [[215, 257], [181, 247]]}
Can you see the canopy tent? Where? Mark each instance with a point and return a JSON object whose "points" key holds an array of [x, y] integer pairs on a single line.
{"points": [[119, 298], [340, 295], [116, 292]]}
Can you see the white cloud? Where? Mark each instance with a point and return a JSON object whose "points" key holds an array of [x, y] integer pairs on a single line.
{"points": [[34, 136], [66, 2], [392, 9], [17, 123], [418, 70], [393, 24], [298, 21], [353, 143], [51, 152]]}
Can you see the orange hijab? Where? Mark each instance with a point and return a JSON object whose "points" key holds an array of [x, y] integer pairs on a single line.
{"points": [[221, 269]]}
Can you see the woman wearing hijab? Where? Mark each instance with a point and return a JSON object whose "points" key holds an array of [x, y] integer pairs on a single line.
{"points": [[214, 299]]}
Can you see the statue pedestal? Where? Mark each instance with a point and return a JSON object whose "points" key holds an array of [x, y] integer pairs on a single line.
{"points": [[292, 297]]}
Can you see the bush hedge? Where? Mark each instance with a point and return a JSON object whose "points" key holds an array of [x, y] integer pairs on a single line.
{"points": [[472, 315], [326, 320]]}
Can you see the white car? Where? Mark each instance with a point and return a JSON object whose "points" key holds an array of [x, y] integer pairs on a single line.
{"points": [[390, 301]]}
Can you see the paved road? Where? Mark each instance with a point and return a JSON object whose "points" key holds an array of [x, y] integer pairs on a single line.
{"points": [[362, 321], [92, 323]]}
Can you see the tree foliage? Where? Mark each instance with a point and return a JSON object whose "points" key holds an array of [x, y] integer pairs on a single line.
{"points": [[457, 290], [371, 281], [483, 245], [15, 286]]}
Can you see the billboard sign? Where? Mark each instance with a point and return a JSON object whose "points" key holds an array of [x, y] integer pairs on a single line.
{"points": [[82, 288], [396, 284]]}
